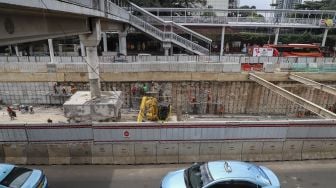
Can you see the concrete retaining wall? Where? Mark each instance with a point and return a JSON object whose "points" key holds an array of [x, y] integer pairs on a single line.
{"points": [[169, 152], [168, 143]]}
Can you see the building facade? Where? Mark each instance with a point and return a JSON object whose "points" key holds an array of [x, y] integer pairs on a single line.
{"points": [[223, 4], [286, 4]]}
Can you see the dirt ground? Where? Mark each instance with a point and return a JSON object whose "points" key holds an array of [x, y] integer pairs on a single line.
{"points": [[55, 113], [40, 115]]}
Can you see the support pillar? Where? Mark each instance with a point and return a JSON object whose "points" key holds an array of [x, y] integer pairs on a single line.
{"points": [[222, 42], [10, 50], [277, 31], [166, 46], [16, 50], [91, 41], [325, 34], [122, 42], [51, 51], [60, 49], [45, 48], [93, 69], [82, 48], [31, 50], [104, 42]]}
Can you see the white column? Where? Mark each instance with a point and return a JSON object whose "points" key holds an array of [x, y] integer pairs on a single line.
{"points": [[10, 50], [325, 34], [93, 69], [51, 51], [222, 41], [31, 51], [60, 49], [82, 48], [104, 42], [91, 41], [122, 43], [277, 31], [166, 46], [16, 50]]}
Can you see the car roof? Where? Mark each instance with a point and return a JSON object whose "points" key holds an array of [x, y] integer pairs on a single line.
{"points": [[5, 169], [237, 170]]}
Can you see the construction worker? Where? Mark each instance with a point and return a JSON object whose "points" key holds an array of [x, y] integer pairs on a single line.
{"points": [[145, 88], [11, 113]]}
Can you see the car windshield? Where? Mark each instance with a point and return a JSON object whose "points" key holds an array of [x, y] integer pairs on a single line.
{"points": [[197, 175], [16, 178], [260, 173]]}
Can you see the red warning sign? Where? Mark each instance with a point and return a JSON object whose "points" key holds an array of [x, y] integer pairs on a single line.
{"points": [[126, 134]]}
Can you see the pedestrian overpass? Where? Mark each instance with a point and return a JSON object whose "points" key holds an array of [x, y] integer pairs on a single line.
{"points": [[58, 18]]}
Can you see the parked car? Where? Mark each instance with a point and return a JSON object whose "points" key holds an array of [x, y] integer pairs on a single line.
{"points": [[19, 177], [222, 174]]}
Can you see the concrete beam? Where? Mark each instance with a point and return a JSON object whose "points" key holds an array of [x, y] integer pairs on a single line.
{"points": [[294, 98], [313, 84], [108, 26], [25, 26]]}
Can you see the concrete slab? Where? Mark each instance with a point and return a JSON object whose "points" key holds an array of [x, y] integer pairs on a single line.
{"points": [[231, 151], [15, 153], [210, 151], [252, 151], [80, 107], [80, 153], [2, 154], [102, 154], [189, 152], [292, 150], [123, 153], [272, 151], [312, 149], [328, 149], [59, 154], [145, 153], [37, 154], [167, 152]]}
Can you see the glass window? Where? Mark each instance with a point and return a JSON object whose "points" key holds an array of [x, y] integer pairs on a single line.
{"points": [[17, 177], [197, 175]]}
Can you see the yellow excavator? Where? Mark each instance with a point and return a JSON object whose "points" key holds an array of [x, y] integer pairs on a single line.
{"points": [[152, 110]]}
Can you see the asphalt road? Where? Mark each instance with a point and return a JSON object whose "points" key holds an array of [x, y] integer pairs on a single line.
{"points": [[301, 174]]}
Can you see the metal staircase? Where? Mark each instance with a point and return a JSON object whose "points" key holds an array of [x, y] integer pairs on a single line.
{"points": [[144, 21]]}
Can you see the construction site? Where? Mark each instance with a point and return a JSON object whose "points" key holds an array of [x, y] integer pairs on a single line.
{"points": [[145, 109]]}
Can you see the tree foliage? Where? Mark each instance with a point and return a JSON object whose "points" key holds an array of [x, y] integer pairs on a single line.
{"points": [[317, 5]]}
